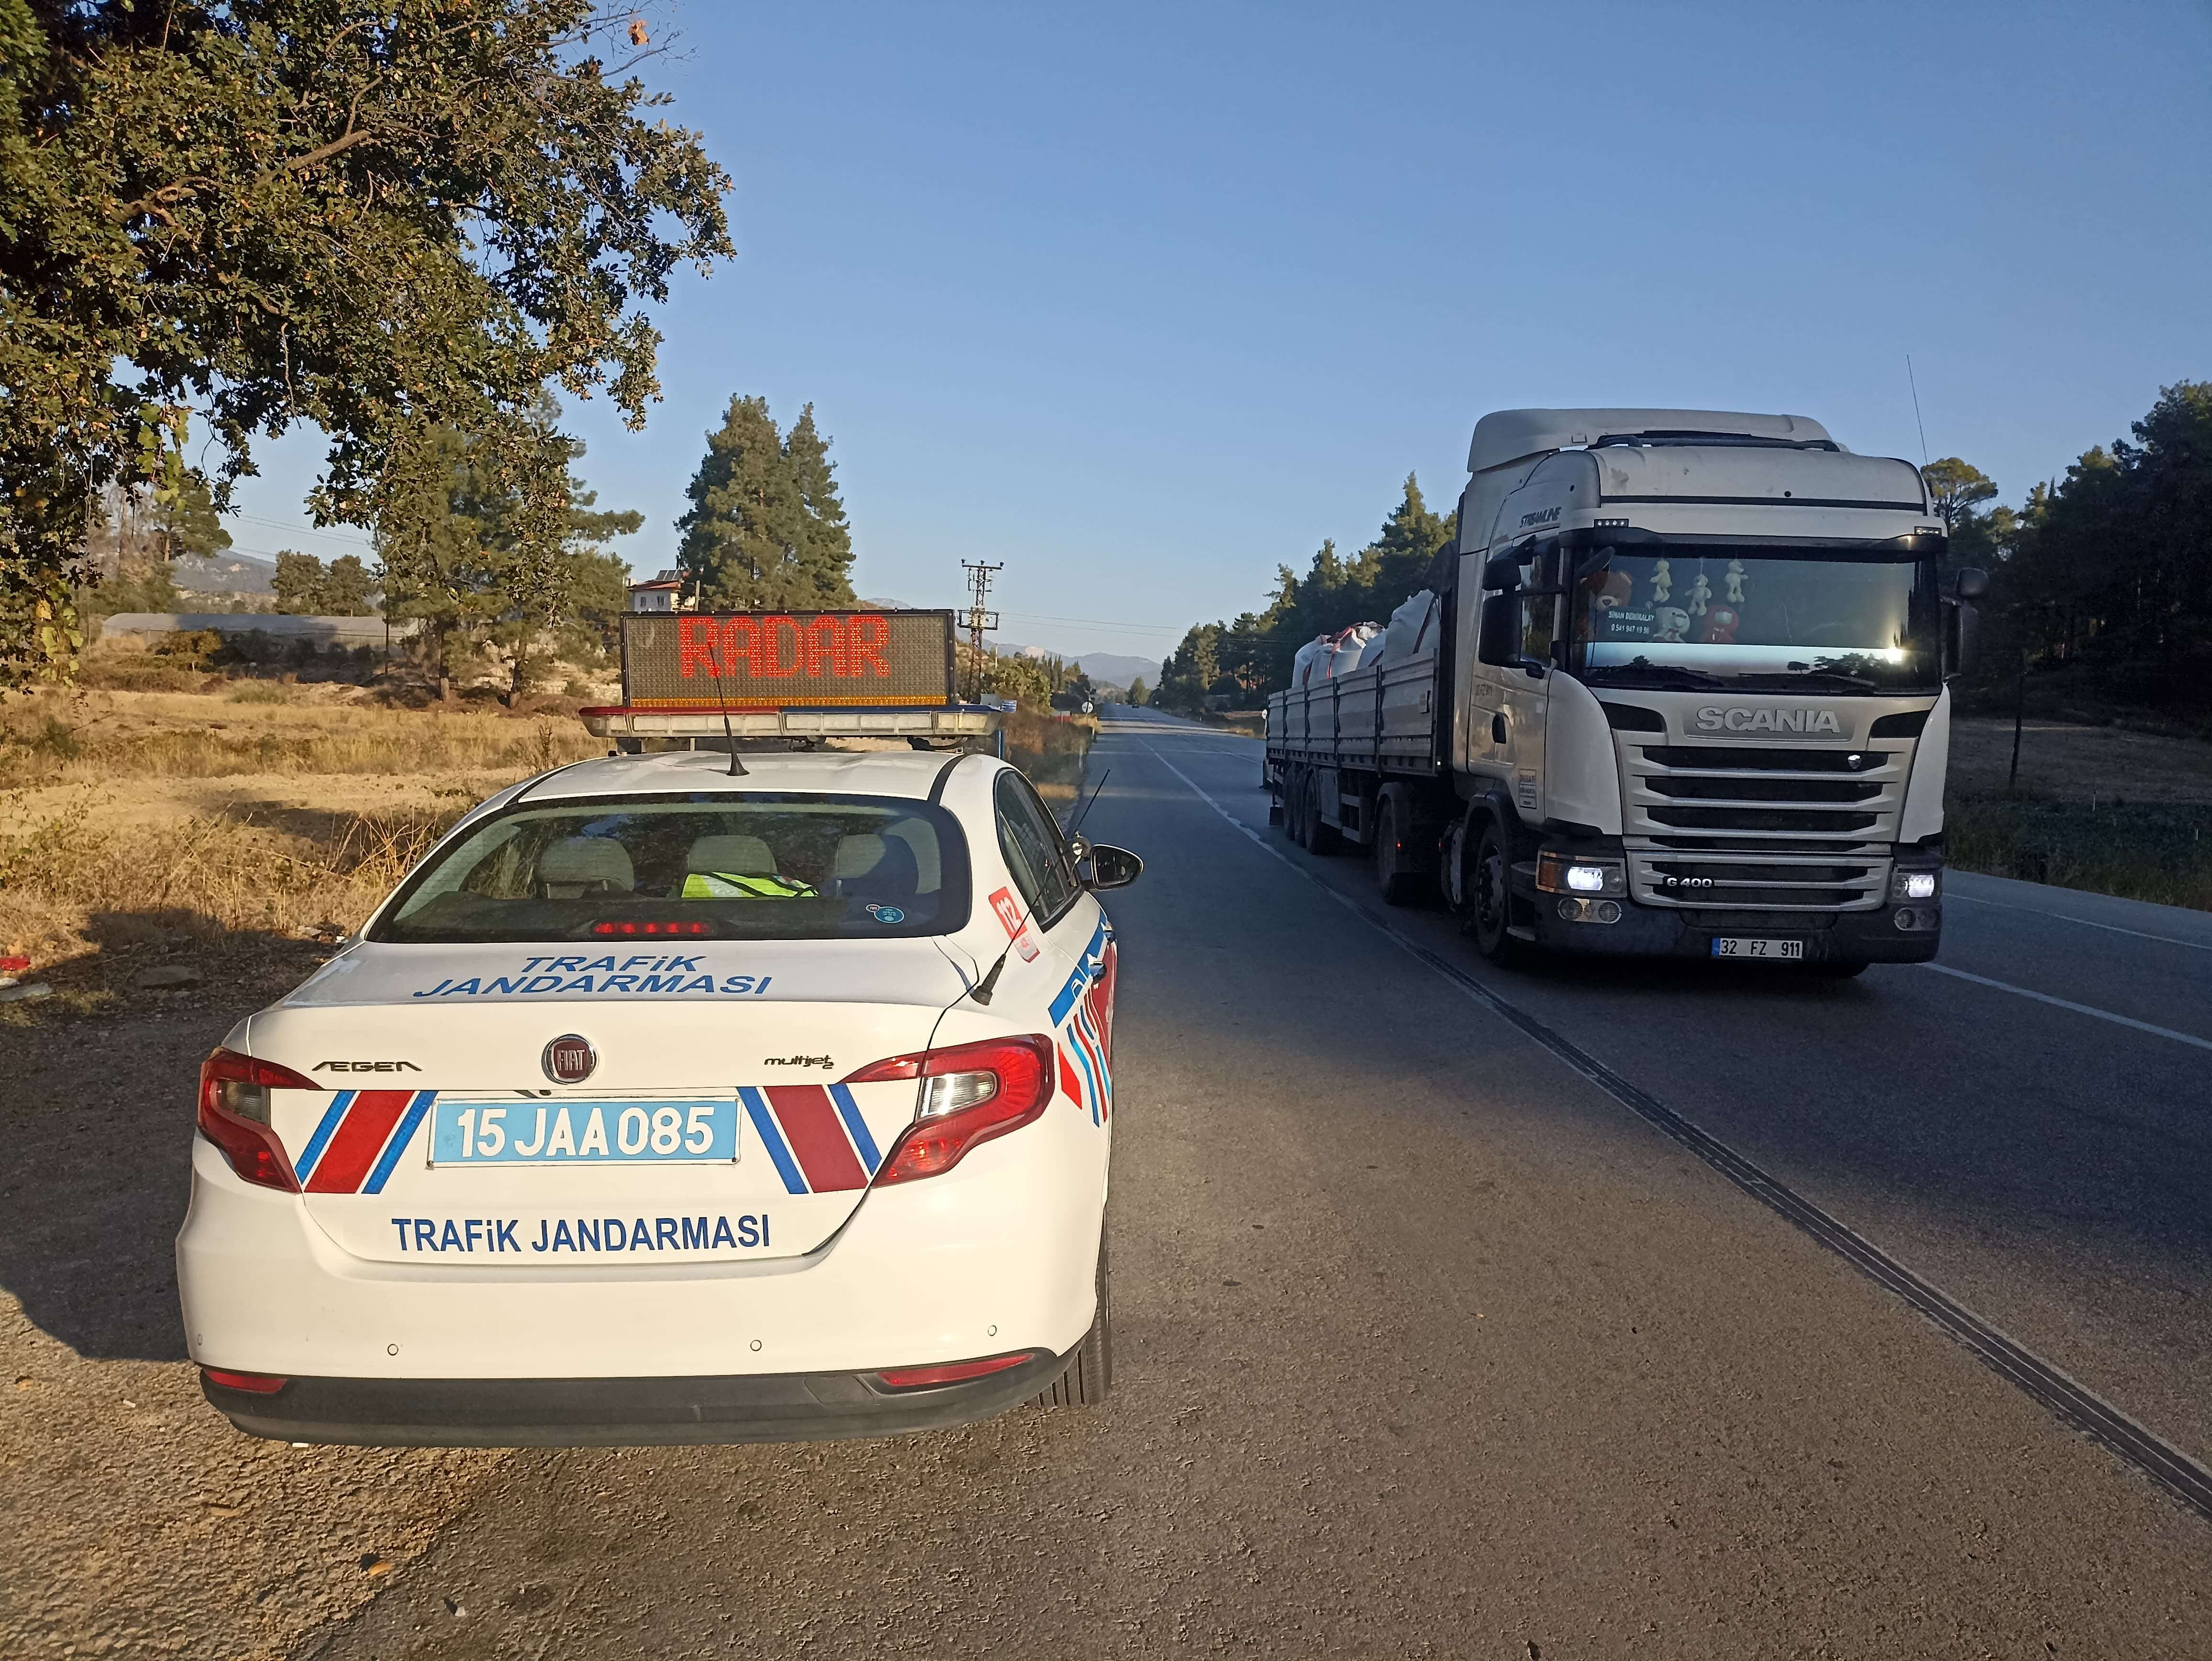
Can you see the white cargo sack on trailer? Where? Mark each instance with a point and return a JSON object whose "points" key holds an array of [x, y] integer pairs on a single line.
{"points": [[1351, 647], [1309, 656], [1412, 634]]}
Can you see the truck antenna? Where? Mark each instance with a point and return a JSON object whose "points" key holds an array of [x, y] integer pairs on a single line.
{"points": [[1917, 421]]}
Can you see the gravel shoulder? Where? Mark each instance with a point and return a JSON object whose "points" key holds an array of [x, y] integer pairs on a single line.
{"points": [[133, 1520]]}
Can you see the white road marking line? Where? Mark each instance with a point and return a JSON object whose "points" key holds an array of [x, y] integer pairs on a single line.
{"points": [[2060, 917], [2068, 1003], [2065, 1397]]}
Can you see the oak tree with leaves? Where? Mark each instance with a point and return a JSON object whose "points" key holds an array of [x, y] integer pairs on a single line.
{"points": [[389, 221]]}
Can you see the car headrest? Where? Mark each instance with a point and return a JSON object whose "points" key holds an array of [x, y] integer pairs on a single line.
{"points": [[576, 863], [876, 867], [739, 856]]}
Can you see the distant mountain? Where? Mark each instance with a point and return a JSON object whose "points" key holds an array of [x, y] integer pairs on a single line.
{"points": [[223, 573], [1113, 668]]}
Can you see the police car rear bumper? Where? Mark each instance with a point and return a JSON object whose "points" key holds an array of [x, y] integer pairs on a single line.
{"points": [[507, 1413]]}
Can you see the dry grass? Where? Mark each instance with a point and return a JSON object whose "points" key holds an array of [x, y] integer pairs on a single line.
{"points": [[1053, 750], [72, 878], [101, 738], [223, 822], [2099, 808], [116, 839]]}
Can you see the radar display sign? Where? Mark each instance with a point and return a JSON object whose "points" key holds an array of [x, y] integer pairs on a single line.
{"points": [[752, 660]]}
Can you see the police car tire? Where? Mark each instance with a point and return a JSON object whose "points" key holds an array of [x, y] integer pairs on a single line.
{"points": [[1090, 1373]]}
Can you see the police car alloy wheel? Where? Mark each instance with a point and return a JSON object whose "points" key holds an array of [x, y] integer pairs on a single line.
{"points": [[661, 1106]]}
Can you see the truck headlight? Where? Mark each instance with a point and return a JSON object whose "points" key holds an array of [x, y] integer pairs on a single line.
{"points": [[1568, 873], [1915, 885]]}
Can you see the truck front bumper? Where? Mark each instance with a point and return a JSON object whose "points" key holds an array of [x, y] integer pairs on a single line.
{"points": [[1650, 931]]}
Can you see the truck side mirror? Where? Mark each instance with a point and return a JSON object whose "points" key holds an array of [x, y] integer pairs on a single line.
{"points": [[1499, 641], [1961, 625], [1502, 570], [1972, 583]]}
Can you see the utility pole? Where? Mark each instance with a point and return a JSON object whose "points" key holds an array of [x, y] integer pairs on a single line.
{"points": [[979, 586]]}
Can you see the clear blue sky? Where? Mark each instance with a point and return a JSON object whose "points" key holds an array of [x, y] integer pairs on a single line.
{"points": [[1146, 300]]}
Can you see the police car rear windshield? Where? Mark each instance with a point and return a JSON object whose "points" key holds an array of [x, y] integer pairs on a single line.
{"points": [[735, 866]]}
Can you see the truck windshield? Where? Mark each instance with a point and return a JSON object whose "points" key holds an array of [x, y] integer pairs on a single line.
{"points": [[736, 866], [1755, 620]]}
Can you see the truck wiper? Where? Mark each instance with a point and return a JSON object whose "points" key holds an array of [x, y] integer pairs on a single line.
{"points": [[1649, 674], [1827, 676]]}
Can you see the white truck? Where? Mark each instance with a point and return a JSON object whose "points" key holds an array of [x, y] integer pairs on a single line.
{"points": [[1682, 694]]}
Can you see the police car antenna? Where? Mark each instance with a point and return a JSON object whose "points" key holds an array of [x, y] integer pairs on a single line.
{"points": [[721, 698], [1084, 811], [981, 990]]}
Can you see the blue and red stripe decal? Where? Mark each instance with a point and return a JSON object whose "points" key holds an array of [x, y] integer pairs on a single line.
{"points": [[814, 1134], [359, 1142], [1083, 1019]]}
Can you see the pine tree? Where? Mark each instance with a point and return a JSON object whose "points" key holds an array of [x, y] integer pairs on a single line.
{"points": [[299, 583], [825, 543], [345, 589], [766, 531]]}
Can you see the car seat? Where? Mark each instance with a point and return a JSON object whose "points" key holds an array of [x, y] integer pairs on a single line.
{"points": [[872, 867], [576, 866]]}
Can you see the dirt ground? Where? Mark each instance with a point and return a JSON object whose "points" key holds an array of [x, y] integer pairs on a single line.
{"points": [[133, 1520]]}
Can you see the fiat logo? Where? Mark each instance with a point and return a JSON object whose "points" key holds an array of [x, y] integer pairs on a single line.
{"points": [[569, 1059]]}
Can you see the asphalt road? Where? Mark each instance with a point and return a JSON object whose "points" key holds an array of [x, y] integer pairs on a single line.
{"points": [[1427, 1344]]}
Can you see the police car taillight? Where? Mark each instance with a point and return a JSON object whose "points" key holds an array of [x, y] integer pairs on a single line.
{"points": [[968, 1093], [233, 1115]]}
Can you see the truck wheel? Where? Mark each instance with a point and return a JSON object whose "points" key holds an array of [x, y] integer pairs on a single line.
{"points": [[1401, 884], [1322, 838], [1294, 806], [1490, 910], [1090, 1373]]}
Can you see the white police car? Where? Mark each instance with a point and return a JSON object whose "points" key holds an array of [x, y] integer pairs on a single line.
{"points": [[659, 1105]]}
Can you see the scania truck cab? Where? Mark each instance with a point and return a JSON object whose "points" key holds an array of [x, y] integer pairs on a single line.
{"points": [[1689, 699]]}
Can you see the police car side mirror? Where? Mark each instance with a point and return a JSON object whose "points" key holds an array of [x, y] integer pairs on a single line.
{"points": [[1109, 867]]}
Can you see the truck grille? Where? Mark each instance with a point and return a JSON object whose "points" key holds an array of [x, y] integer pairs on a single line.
{"points": [[1731, 826]]}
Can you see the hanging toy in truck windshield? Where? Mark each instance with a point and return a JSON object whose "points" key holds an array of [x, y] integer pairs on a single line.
{"points": [[766, 661]]}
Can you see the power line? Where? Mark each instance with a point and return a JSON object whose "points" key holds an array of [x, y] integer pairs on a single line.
{"points": [[1103, 622]]}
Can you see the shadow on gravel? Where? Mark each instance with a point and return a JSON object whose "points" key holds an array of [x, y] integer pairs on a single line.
{"points": [[96, 1090]]}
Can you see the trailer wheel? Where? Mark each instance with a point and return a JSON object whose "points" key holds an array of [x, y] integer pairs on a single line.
{"points": [[1490, 901], [1322, 836], [1402, 882], [1294, 806]]}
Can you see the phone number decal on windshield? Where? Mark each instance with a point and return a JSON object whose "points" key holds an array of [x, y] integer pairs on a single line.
{"points": [[495, 1132]]}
